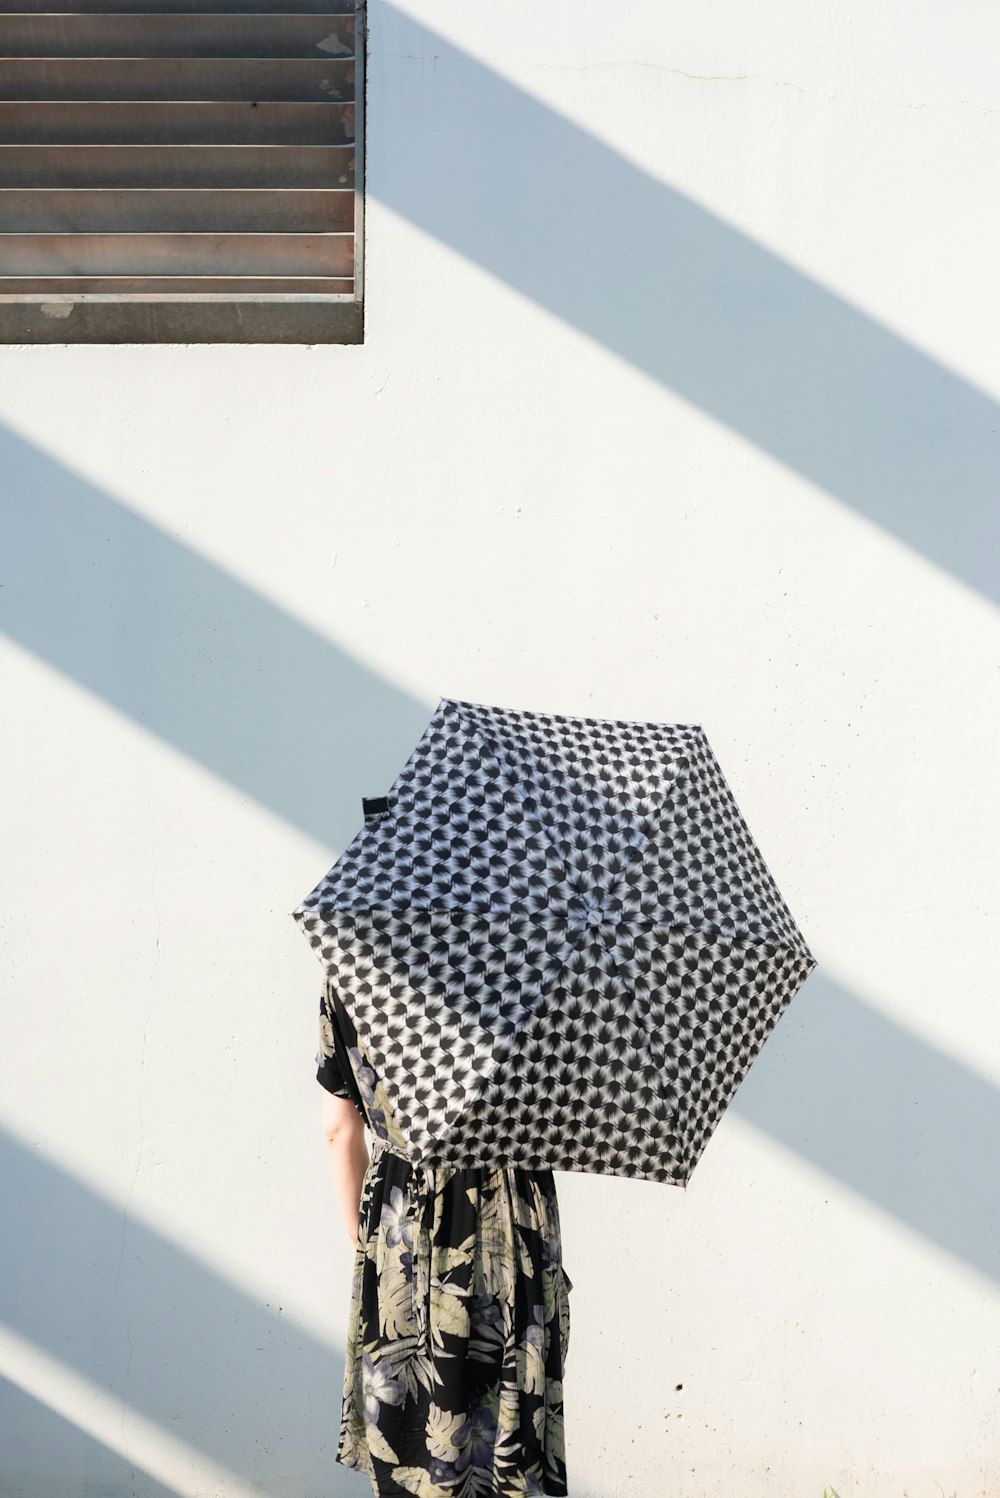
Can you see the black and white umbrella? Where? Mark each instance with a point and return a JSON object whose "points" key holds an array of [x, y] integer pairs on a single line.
{"points": [[558, 943]]}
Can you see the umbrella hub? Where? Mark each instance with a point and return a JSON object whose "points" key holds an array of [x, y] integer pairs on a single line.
{"points": [[587, 910]]}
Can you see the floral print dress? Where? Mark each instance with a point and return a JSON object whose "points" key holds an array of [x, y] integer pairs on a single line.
{"points": [[459, 1318]]}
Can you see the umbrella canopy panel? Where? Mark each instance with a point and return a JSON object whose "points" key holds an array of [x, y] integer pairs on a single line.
{"points": [[559, 945]]}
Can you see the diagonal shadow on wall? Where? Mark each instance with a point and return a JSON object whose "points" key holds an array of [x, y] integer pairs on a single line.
{"points": [[148, 1322], [259, 699], [670, 287], [193, 654], [906, 1127]]}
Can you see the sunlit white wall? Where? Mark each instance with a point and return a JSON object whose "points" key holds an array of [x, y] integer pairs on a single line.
{"points": [[679, 400]]}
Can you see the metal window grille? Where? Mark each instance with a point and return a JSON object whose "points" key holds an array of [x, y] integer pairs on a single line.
{"points": [[171, 174]]}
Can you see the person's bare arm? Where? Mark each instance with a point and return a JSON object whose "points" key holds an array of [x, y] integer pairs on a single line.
{"points": [[344, 1131]]}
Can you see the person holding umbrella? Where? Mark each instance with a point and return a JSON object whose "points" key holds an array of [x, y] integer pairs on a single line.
{"points": [[458, 1326], [554, 944]]}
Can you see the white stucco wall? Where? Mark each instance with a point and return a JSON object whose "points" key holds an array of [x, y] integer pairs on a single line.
{"points": [[679, 400]]}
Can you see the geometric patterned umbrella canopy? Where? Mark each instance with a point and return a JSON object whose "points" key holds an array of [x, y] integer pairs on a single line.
{"points": [[558, 943]]}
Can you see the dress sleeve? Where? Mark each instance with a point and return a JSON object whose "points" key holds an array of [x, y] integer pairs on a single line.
{"points": [[329, 1066]]}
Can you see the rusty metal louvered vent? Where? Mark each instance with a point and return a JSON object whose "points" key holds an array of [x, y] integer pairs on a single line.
{"points": [[178, 174]]}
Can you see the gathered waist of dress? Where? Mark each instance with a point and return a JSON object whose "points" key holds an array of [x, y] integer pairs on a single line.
{"points": [[380, 1146]]}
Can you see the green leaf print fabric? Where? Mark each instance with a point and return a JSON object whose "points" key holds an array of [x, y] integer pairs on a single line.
{"points": [[459, 1319]]}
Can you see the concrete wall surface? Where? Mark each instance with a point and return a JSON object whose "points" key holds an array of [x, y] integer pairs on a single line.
{"points": [[679, 400]]}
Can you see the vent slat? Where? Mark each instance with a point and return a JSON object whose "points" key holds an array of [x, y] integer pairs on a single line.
{"points": [[158, 210], [191, 35], [181, 78], [177, 166], [176, 254], [164, 285], [64, 122], [234, 8]]}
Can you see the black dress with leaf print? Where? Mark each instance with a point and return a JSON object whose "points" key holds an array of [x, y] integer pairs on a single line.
{"points": [[459, 1319]]}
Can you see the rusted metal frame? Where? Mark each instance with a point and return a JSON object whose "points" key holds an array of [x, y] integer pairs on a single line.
{"points": [[190, 319], [360, 121], [230, 317]]}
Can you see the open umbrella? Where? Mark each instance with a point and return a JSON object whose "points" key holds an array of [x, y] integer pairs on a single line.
{"points": [[558, 942]]}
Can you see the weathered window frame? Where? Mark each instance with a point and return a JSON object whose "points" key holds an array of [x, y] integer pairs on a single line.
{"points": [[182, 316]]}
